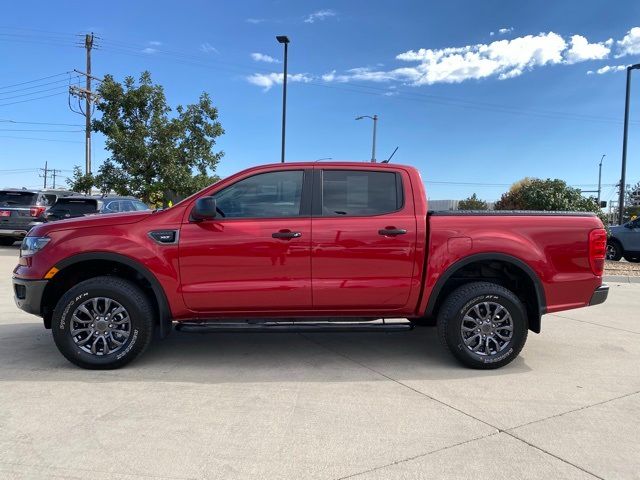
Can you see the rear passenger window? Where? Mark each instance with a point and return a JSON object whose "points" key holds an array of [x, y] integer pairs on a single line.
{"points": [[353, 193]]}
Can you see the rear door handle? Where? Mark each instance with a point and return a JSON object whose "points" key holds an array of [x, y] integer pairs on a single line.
{"points": [[286, 234], [391, 232]]}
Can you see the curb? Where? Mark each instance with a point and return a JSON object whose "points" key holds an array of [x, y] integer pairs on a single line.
{"points": [[620, 279]]}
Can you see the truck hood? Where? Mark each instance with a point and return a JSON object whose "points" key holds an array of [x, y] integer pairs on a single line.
{"points": [[99, 220]]}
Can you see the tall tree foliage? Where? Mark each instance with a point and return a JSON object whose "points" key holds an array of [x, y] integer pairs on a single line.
{"points": [[153, 151], [547, 195], [472, 203]]}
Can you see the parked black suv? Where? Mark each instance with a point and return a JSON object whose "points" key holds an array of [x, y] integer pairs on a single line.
{"points": [[78, 206], [21, 210]]}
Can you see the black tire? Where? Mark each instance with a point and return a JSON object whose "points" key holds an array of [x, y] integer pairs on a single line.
{"points": [[140, 323], [614, 250], [7, 241], [460, 302], [632, 258]]}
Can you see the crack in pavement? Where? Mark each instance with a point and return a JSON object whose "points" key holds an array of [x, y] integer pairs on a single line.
{"points": [[554, 456], [420, 455], [498, 430], [584, 407], [593, 323]]}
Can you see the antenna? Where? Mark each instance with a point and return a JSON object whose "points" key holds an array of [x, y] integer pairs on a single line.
{"points": [[389, 159]]}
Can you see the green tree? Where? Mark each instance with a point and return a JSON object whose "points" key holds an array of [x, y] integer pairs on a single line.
{"points": [[547, 195], [632, 202], [80, 182], [152, 151], [472, 203]]}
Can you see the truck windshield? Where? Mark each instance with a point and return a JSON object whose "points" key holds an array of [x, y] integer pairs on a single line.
{"points": [[9, 198]]}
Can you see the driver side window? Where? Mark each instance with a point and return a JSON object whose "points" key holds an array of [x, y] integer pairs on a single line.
{"points": [[266, 195]]}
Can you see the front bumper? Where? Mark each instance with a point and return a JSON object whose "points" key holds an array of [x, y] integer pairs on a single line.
{"points": [[599, 295], [28, 294]]}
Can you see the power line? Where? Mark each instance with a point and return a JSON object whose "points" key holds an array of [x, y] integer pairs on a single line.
{"points": [[31, 99], [36, 80], [69, 80], [38, 130], [40, 139], [41, 123], [36, 92]]}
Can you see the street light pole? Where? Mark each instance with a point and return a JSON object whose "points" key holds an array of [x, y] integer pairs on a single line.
{"points": [[624, 144], [600, 178], [285, 41], [375, 125]]}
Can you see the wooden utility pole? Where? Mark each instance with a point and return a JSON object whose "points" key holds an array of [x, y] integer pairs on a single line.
{"points": [[46, 173], [89, 98], [54, 173], [88, 45]]}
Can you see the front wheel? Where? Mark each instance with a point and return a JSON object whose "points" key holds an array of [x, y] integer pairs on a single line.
{"points": [[483, 324], [103, 323]]}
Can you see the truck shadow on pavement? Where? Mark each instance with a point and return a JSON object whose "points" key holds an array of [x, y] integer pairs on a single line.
{"points": [[27, 353]]}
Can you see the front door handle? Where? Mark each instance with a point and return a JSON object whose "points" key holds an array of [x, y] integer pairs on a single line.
{"points": [[286, 234], [391, 231]]}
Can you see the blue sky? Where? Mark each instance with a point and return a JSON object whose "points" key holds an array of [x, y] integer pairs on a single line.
{"points": [[475, 94]]}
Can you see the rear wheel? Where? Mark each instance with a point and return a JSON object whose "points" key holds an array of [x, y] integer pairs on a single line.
{"points": [[614, 250], [103, 323], [7, 241], [483, 324]]}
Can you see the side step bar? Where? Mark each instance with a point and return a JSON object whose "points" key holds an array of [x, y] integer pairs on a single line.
{"points": [[294, 326]]}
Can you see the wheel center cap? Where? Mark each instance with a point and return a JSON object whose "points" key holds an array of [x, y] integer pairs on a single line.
{"points": [[101, 325], [486, 328]]}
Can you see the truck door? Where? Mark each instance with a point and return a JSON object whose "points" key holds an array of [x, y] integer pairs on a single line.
{"points": [[255, 255], [364, 239]]}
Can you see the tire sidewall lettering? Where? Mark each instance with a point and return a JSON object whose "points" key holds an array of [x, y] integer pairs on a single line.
{"points": [[65, 313]]}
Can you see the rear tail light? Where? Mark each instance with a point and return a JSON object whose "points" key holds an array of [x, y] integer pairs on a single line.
{"points": [[597, 250], [36, 211]]}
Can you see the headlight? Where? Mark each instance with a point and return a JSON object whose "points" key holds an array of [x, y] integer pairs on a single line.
{"points": [[31, 245]]}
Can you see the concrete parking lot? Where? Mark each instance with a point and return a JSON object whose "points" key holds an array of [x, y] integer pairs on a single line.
{"points": [[326, 406]]}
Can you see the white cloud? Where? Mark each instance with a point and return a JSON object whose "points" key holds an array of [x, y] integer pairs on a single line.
{"points": [[208, 48], [608, 69], [630, 43], [504, 31], [150, 49], [319, 15], [261, 57], [581, 50], [268, 80], [501, 58], [255, 21]]}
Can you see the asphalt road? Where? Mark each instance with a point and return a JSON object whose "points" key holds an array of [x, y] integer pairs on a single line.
{"points": [[326, 406]]}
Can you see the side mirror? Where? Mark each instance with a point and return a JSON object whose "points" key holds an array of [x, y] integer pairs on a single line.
{"points": [[204, 209]]}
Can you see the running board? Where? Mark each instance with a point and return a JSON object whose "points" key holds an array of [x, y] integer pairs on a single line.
{"points": [[294, 326]]}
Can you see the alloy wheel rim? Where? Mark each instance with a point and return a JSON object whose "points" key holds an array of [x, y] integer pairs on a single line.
{"points": [[611, 251], [487, 328], [100, 326]]}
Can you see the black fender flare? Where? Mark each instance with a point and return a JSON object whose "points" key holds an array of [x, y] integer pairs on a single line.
{"points": [[164, 311], [534, 323]]}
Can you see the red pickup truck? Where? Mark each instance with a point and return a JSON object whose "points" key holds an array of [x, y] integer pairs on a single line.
{"points": [[308, 245]]}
